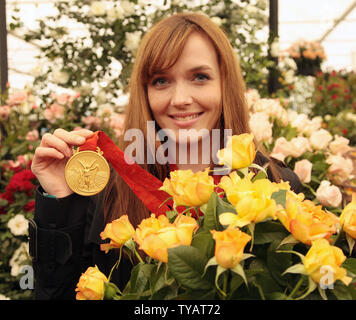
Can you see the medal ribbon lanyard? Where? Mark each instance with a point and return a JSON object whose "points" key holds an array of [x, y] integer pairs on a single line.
{"points": [[142, 183]]}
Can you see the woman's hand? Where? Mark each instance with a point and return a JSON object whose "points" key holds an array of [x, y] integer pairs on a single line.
{"points": [[51, 156]]}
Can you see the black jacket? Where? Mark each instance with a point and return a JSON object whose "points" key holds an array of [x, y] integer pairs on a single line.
{"points": [[65, 241]]}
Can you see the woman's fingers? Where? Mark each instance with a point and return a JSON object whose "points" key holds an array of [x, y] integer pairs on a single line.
{"points": [[83, 132], [51, 141], [44, 152], [69, 137]]}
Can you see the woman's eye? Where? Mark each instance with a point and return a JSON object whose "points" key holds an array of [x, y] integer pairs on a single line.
{"points": [[201, 77], [159, 81]]}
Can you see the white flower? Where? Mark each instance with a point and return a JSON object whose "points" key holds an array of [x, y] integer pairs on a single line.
{"points": [[261, 126], [105, 110], [328, 195], [60, 76], [98, 8], [2, 297], [290, 63], [289, 76], [18, 225], [320, 139], [252, 96], [132, 40], [20, 256], [217, 21], [127, 8]]}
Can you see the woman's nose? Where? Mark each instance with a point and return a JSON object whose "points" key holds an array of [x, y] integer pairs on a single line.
{"points": [[181, 96]]}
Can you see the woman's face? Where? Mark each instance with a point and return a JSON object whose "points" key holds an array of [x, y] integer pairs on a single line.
{"points": [[188, 95]]}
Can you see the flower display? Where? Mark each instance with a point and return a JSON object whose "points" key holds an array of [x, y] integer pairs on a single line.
{"points": [[229, 246], [306, 221], [252, 200], [119, 231], [322, 254], [91, 285], [239, 152], [188, 188], [348, 218], [208, 253], [155, 235]]}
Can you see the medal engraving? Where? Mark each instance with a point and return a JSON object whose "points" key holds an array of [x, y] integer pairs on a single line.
{"points": [[87, 172]]}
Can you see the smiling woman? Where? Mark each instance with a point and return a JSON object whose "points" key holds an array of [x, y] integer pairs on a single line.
{"points": [[186, 77]]}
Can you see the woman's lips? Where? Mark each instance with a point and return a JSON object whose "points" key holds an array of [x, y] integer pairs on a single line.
{"points": [[186, 120]]}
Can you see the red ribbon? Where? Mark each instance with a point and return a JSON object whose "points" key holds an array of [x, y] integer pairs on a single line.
{"points": [[142, 183]]}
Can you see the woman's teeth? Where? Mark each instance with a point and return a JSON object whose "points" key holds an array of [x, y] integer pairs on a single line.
{"points": [[187, 117]]}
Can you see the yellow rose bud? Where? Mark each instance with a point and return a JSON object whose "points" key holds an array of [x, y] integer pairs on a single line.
{"points": [[322, 263], [91, 285], [229, 246], [306, 221], [188, 188], [156, 235], [239, 152], [252, 200], [348, 217], [118, 231]]}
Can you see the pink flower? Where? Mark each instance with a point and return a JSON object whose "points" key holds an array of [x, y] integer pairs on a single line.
{"points": [[328, 195], [260, 126], [282, 147], [32, 135], [341, 168], [92, 122], [320, 139], [17, 97], [300, 146], [55, 111], [340, 145], [4, 112], [303, 169]]}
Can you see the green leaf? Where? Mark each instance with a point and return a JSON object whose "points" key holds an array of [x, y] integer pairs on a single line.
{"points": [[210, 218], [350, 265], [268, 231], [343, 292], [259, 175], [165, 293], [204, 242], [157, 278], [186, 264], [280, 197], [139, 281]]}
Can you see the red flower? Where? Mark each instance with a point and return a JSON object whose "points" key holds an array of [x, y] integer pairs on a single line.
{"points": [[21, 181], [30, 206], [334, 96], [320, 87], [345, 131]]}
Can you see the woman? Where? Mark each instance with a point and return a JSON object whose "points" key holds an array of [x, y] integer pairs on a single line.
{"points": [[186, 76]]}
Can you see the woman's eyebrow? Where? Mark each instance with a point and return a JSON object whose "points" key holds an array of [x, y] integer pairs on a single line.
{"points": [[201, 68]]}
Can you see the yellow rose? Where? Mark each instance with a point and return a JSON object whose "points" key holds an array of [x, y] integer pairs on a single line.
{"points": [[306, 221], [348, 217], [118, 231], [185, 227], [322, 263], [252, 200], [156, 235], [229, 246], [91, 285], [188, 188], [239, 152]]}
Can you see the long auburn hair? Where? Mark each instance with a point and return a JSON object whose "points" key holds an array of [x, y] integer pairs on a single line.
{"points": [[159, 50]]}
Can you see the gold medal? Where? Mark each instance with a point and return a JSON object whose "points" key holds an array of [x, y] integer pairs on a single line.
{"points": [[87, 172]]}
